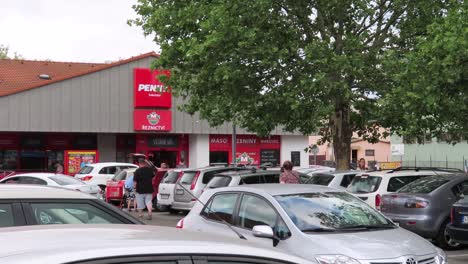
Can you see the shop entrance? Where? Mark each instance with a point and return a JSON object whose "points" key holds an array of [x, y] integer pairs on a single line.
{"points": [[168, 157], [32, 160]]}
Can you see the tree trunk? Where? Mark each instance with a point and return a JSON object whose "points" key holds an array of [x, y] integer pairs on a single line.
{"points": [[341, 134]]}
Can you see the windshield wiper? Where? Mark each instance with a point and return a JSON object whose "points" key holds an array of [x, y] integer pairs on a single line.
{"points": [[367, 227], [318, 230]]}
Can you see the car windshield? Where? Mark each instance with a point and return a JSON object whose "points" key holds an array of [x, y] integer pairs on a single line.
{"points": [[219, 181], [171, 177], [119, 176], [424, 185], [187, 177], [364, 184], [85, 170], [65, 180], [321, 179], [333, 211]]}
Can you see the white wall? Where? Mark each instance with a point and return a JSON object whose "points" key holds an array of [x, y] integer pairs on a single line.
{"points": [[106, 144], [295, 143], [199, 151]]}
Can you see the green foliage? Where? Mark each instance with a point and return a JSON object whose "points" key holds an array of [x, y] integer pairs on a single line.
{"points": [[4, 50], [304, 65], [430, 95]]}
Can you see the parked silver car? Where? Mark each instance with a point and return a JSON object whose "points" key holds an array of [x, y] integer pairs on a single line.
{"points": [[423, 206], [193, 182], [129, 244], [311, 221]]}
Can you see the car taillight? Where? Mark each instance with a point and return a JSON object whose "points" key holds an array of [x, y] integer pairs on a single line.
{"points": [[87, 178], [414, 203], [378, 201], [194, 181], [180, 224]]}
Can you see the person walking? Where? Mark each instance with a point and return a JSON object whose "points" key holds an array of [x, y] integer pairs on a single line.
{"points": [[58, 167], [288, 176], [130, 194], [143, 179], [362, 164], [181, 164]]}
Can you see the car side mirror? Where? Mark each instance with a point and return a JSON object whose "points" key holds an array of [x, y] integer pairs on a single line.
{"points": [[265, 232]]}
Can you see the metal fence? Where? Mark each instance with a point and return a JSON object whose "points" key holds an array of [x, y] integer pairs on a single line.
{"points": [[461, 163]]}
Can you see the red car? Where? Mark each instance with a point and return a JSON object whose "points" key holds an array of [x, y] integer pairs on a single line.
{"points": [[115, 187]]}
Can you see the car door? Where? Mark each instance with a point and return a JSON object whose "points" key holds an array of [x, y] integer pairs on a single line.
{"points": [[108, 172], [255, 210], [220, 207]]}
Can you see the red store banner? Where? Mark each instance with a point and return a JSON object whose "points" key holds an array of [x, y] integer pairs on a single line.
{"points": [[148, 90], [152, 120]]}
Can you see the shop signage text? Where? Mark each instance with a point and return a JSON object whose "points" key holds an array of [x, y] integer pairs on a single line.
{"points": [[152, 120], [149, 91]]}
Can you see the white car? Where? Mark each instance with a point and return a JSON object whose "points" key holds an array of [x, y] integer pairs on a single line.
{"points": [[315, 169], [165, 196], [334, 179], [100, 173], [314, 222], [370, 186], [129, 244], [57, 180]]}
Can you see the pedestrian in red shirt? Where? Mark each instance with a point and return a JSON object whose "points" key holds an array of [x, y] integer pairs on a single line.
{"points": [[289, 176]]}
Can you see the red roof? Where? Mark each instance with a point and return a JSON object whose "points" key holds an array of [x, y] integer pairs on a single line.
{"points": [[21, 75]]}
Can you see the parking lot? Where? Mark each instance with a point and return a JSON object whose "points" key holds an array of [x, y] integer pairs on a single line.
{"points": [[166, 219]]}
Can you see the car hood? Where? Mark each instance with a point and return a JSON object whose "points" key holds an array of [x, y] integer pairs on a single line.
{"points": [[372, 245]]}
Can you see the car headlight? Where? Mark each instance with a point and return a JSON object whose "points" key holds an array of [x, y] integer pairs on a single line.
{"points": [[441, 257], [335, 259]]}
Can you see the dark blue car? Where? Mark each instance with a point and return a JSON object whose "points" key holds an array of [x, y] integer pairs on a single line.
{"points": [[458, 228]]}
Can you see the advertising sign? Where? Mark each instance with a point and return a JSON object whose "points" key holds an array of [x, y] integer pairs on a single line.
{"points": [[149, 91], [76, 159], [398, 149], [389, 165], [152, 120]]}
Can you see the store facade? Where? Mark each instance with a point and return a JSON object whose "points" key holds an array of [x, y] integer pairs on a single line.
{"points": [[118, 109]]}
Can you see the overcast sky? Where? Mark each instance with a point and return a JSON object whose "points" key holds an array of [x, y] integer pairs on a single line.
{"points": [[72, 30]]}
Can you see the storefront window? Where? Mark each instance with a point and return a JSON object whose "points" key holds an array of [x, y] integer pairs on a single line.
{"points": [[54, 156], [8, 159], [32, 160], [219, 157]]}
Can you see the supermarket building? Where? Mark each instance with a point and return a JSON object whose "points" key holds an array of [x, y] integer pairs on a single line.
{"points": [[50, 108]]}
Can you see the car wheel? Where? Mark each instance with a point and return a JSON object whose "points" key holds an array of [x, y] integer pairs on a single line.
{"points": [[444, 240]]}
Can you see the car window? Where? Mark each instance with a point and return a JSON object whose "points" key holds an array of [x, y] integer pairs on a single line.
{"points": [[424, 185], [271, 178], [108, 170], [256, 211], [221, 206], [171, 177], [71, 213], [65, 180], [347, 179], [321, 179], [364, 184], [86, 170], [329, 211], [255, 179], [187, 177], [219, 181], [31, 180], [120, 176], [12, 180], [461, 188], [6, 215], [395, 183], [207, 176]]}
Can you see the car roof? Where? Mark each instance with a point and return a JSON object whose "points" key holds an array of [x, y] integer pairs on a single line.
{"points": [[111, 164], [245, 172], [39, 174], [25, 191], [451, 177], [66, 243], [403, 173], [279, 189], [337, 172]]}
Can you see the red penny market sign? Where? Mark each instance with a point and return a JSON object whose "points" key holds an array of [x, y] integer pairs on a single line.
{"points": [[152, 120], [148, 90]]}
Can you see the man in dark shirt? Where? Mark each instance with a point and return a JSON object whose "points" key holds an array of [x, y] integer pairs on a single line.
{"points": [[143, 179]]}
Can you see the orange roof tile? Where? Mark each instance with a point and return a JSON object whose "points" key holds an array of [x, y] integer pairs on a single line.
{"points": [[21, 75]]}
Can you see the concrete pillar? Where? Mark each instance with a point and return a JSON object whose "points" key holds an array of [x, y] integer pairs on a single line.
{"points": [[106, 144]]}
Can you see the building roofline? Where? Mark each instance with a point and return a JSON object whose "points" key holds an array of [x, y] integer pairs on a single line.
{"points": [[99, 67]]}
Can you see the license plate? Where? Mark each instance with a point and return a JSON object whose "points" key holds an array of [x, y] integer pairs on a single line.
{"points": [[164, 196], [465, 219], [180, 192]]}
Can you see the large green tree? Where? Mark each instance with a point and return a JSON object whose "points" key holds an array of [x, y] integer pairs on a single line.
{"points": [[305, 65], [430, 94]]}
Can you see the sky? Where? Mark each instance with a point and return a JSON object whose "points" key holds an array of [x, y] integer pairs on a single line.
{"points": [[72, 30]]}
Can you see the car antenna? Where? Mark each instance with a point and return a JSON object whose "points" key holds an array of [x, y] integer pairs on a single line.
{"points": [[217, 216]]}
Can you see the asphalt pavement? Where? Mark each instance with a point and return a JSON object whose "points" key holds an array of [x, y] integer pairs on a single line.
{"points": [[166, 219]]}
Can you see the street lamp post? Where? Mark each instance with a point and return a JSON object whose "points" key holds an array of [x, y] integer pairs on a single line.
{"points": [[234, 141]]}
